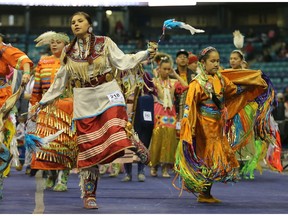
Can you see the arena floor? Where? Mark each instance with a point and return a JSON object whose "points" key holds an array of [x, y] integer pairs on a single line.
{"points": [[266, 194]]}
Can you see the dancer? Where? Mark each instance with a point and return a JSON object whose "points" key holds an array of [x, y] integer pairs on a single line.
{"points": [[59, 156], [249, 131], [99, 113], [157, 59], [163, 142], [204, 154], [236, 59], [9, 57], [247, 152]]}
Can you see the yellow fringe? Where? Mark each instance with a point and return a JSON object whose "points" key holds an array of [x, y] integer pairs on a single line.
{"points": [[9, 131], [185, 132]]}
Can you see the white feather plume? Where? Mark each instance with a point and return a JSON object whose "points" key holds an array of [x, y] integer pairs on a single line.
{"points": [[46, 140], [192, 29], [44, 38], [238, 39]]}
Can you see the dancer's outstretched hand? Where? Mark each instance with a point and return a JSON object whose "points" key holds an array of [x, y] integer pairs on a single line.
{"points": [[152, 49]]}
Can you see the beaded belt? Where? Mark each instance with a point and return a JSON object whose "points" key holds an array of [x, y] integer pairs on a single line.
{"points": [[98, 80]]}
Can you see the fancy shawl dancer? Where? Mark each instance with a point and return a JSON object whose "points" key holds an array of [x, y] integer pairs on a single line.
{"points": [[99, 112], [253, 126], [204, 154]]}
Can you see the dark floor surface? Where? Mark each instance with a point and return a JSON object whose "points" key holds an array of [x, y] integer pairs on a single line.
{"points": [[267, 194]]}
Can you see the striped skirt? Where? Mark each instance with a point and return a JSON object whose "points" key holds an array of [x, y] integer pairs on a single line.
{"points": [[102, 139]]}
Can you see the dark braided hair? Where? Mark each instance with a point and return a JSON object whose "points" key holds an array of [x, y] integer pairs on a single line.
{"points": [[92, 40], [69, 48], [91, 49]]}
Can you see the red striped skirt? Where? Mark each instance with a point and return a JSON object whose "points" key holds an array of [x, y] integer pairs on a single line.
{"points": [[103, 138]]}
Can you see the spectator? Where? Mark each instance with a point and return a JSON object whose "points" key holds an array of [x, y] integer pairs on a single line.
{"points": [[249, 51], [192, 64], [279, 111]]}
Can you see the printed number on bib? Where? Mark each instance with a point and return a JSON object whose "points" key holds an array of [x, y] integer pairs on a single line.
{"points": [[116, 97]]}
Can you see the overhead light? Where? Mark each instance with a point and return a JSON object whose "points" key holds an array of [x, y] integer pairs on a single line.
{"points": [[108, 12]]}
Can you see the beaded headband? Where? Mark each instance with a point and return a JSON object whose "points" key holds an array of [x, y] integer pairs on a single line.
{"points": [[205, 51]]}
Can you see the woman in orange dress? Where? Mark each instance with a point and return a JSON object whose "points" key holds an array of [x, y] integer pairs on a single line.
{"points": [[59, 156]]}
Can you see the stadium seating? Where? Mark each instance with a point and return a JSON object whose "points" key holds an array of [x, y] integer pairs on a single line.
{"points": [[276, 70]]}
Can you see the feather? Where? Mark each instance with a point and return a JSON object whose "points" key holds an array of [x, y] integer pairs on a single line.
{"points": [[238, 39], [44, 35], [44, 38], [51, 137], [191, 29], [33, 142], [172, 24]]}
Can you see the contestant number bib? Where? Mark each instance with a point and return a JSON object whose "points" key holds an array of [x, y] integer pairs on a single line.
{"points": [[178, 125], [115, 97], [147, 116]]}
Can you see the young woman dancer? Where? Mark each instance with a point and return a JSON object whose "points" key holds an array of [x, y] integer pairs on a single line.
{"points": [[99, 112]]}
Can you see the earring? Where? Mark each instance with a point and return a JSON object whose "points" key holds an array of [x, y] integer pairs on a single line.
{"points": [[90, 29]]}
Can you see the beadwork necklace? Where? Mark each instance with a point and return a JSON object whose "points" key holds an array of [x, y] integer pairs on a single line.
{"points": [[83, 51]]}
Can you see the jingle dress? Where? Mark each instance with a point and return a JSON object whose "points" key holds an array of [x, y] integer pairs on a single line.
{"points": [[62, 152]]}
